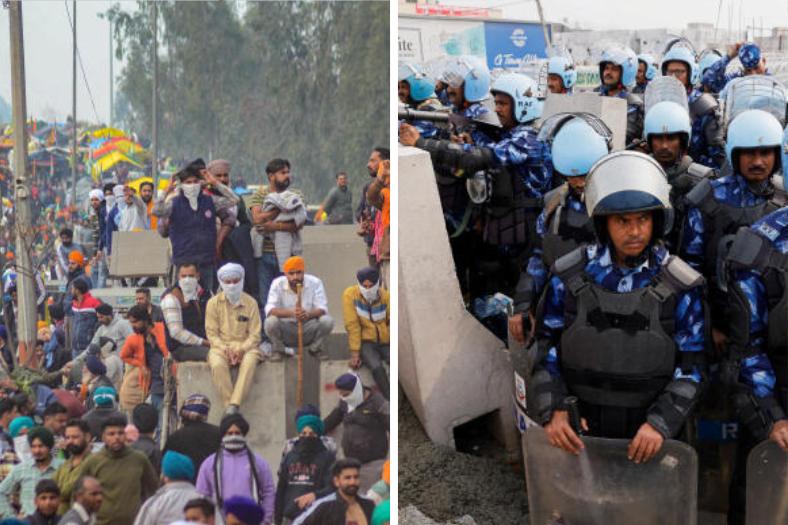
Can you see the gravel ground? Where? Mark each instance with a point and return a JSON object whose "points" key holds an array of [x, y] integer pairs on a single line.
{"points": [[451, 487]]}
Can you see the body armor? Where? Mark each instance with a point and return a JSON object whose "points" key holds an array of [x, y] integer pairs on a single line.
{"points": [[566, 229]]}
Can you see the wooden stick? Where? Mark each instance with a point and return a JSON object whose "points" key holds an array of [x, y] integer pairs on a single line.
{"points": [[300, 384]]}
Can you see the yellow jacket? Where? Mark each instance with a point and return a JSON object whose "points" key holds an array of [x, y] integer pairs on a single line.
{"points": [[365, 322]]}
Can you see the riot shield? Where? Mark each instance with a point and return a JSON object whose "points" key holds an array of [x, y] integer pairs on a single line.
{"points": [[603, 486], [665, 89], [754, 92], [767, 485]]}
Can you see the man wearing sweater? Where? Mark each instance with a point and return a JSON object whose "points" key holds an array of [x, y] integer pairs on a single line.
{"points": [[126, 475]]}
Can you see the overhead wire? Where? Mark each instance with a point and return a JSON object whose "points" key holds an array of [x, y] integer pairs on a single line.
{"points": [[82, 66]]}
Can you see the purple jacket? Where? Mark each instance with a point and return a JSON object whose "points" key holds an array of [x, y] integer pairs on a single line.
{"points": [[237, 480]]}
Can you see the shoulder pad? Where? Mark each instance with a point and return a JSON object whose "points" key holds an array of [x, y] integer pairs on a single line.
{"points": [[680, 274], [702, 105], [570, 263], [634, 99], [700, 171], [700, 193], [747, 249], [554, 198]]}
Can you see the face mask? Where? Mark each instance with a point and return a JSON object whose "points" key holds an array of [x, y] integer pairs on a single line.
{"points": [[233, 291], [370, 294], [188, 286], [191, 192], [355, 398], [309, 444], [233, 443]]}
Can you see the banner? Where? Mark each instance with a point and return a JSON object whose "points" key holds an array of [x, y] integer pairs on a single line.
{"points": [[510, 45]]}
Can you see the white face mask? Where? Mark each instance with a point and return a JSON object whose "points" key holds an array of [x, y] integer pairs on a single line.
{"points": [[370, 294], [188, 286], [191, 192], [356, 397], [233, 291], [110, 200]]}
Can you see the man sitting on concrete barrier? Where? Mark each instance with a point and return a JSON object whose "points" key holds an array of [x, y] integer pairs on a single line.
{"points": [[184, 306], [234, 470], [282, 313], [232, 323], [364, 415], [366, 312]]}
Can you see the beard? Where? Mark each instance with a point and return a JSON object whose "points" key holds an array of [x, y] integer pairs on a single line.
{"points": [[352, 490], [281, 186], [75, 450]]}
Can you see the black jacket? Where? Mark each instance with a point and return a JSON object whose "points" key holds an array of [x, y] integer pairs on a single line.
{"points": [[196, 439], [150, 448], [330, 510], [301, 472], [364, 435], [38, 519]]}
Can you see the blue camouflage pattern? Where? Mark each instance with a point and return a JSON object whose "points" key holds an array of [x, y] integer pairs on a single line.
{"points": [[715, 77], [756, 370], [701, 152], [473, 112], [731, 190], [530, 158], [689, 316], [536, 267]]}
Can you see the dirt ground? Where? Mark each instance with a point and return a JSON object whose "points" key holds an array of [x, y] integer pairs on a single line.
{"points": [[446, 485]]}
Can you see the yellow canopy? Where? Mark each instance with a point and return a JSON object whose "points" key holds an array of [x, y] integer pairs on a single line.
{"points": [[108, 133], [136, 183], [106, 162]]}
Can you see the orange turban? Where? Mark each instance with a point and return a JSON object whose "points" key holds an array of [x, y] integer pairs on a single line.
{"points": [[76, 257], [387, 472], [294, 263], [42, 324]]}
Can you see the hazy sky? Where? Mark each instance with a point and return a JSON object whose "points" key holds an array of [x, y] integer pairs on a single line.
{"points": [[48, 38], [639, 14], [47, 35]]}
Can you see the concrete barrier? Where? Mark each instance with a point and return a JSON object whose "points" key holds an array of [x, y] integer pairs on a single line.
{"points": [[612, 111], [451, 368]]}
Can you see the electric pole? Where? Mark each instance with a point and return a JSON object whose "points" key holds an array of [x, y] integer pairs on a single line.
{"points": [[111, 79], [74, 107], [26, 312], [547, 42], [155, 108]]}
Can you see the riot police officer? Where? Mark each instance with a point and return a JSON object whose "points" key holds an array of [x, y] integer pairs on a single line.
{"points": [[757, 317], [508, 178], [415, 89], [717, 208], [468, 82], [751, 60], [621, 324], [706, 140], [617, 71], [561, 75], [706, 59], [647, 71], [667, 132], [576, 141]]}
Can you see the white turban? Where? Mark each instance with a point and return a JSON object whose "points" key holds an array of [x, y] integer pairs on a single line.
{"points": [[117, 191], [96, 194], [230, 271]]}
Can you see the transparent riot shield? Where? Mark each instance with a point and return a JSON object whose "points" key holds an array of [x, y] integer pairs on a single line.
{"points": [[601, 486], [754, 92], [767, 485], [665, 89], [552, 124]]}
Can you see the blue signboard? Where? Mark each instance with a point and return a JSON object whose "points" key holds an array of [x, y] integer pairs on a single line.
{"points": [[509, 44]]}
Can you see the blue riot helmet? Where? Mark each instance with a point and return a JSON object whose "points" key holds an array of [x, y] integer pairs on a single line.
{"points": [[708, 57], [686, 55], [524, 93], [421, 86], [472, 74], [667, 118], [628, 182], [564, 68], [750, 55], [577, 141], [624, 58], [754, 128], [651, 65]]}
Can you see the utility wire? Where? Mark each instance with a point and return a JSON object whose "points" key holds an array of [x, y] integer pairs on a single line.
{"points": [[82, 68]]}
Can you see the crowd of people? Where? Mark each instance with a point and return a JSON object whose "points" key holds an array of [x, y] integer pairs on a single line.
{"points": [[639, 278], [83, 433]]}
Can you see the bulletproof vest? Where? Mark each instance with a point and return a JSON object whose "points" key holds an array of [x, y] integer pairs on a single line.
{"points": [[510, 214], [634, 118], [721, 221], [617, 348], [685, 176], [702, 105], [566, 228], [751, 251]]}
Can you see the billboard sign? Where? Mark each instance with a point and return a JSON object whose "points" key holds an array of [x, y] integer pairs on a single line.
{"points": [[510, 45]]}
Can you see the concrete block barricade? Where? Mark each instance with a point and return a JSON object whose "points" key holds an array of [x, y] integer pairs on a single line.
{"points": [[451, 368], [612, 111]]}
